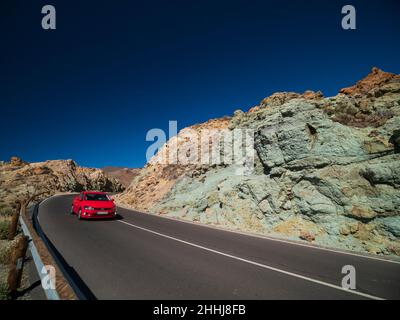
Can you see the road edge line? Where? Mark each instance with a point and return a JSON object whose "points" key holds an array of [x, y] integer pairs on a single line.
{"points": [[51, 294], [266, 237], [256, 263]]}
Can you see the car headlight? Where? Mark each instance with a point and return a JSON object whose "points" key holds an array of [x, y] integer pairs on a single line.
{"points": [[89, 208]]}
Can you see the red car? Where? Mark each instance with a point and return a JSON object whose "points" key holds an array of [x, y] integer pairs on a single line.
{"points": [[93, 205]]}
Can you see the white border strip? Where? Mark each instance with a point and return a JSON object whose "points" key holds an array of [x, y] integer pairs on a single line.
{"points": [[257, 264], [51, 294]]}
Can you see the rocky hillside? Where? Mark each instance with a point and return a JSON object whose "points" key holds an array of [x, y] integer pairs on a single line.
{"points": [[327, 170], [19, 178], [123, 175], [155, 180]]}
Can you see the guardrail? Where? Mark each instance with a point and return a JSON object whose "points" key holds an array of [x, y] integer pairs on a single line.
{"points": [[51, 294], [68, 283], [57, 257]]}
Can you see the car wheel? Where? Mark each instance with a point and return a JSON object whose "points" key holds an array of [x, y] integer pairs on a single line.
{"points": [[80, 214]]}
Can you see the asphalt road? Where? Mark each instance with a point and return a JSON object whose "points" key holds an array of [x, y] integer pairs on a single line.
{"points": [[143, 256]]}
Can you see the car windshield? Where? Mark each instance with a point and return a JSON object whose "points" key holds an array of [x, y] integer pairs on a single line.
{"points": [[97, 197]]}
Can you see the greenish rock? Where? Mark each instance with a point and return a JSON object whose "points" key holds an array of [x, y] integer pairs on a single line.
{"points": [[312, 203], [330, 162], [391, 224]]}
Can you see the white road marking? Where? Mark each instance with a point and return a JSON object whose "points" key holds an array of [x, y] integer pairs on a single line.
{"points": [[254, 235], [256, 263], [47, 199], [296, 243]]}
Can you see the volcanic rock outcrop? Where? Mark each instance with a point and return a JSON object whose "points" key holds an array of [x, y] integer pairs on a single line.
{"points": [[19, 179], [327, 170]]}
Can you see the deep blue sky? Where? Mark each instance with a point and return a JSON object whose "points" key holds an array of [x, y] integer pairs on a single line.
{"points": [[112, 70]]}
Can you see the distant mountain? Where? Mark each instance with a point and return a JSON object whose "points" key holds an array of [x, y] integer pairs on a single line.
{"points": [[19, 179], [327, 170], [123, 175]]}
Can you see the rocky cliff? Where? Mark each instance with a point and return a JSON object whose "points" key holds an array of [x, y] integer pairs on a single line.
{"points": [[327, 170], [123, 175], [19, 178]]}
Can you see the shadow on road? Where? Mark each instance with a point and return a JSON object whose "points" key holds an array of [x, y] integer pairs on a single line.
{"points": [[77, 283], [117, 217]]}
